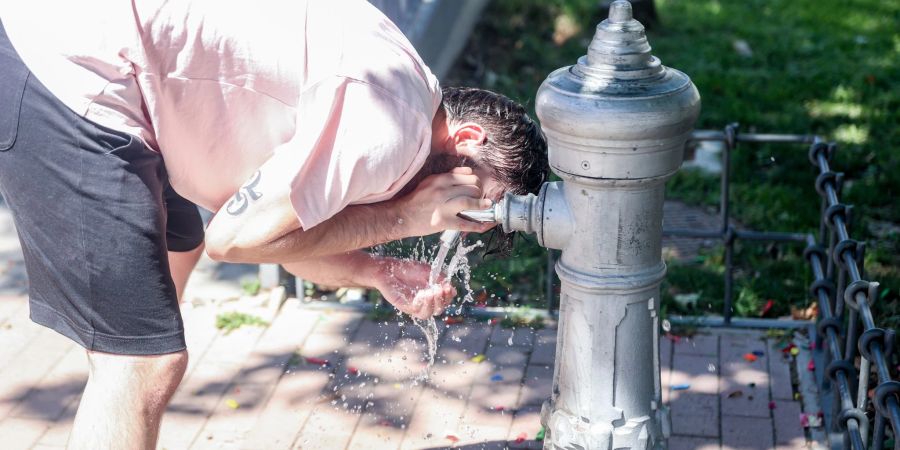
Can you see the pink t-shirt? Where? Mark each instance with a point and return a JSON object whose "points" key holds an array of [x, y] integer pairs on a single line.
{"points": [[219, 86]]}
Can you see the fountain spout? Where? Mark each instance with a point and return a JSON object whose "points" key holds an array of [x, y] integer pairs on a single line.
{"points": [[546, 215]]}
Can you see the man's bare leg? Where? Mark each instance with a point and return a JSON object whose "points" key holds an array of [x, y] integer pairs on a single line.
{"points": [[181, 264], [124, 400]]}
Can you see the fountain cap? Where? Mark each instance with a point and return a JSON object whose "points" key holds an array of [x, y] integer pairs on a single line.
{"points": [[617, 113], [619, 49], [620, 11]]}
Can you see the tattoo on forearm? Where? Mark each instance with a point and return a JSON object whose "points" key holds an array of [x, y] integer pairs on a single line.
{"points": [[246, 194]]}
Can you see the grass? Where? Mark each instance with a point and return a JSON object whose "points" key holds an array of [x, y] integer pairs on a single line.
{"points": [[828, 67], [231, 321]]}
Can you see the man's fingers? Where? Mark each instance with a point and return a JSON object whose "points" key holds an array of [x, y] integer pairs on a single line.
{"points": [[457, 179], [464, 191], [472, 227], [462, 203], [425, 298], [463, 170]]}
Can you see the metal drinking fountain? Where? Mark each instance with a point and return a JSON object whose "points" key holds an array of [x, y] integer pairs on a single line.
{"points": [[616, 124]]}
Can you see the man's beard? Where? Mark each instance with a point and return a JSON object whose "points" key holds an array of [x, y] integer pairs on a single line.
{"points": [[434, 164]]}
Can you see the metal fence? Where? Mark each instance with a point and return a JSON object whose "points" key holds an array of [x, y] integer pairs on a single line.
{"points": [[845, 312], [846, 327]]}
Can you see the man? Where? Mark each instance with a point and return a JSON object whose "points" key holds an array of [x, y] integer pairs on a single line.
{"points": [[313, 129]]}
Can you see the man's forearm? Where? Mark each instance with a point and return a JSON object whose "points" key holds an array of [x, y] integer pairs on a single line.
{"points": [[354, 228], [350, 269]]}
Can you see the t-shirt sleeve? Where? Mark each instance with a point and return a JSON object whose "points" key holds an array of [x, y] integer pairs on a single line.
{"points": [[354, 141]]}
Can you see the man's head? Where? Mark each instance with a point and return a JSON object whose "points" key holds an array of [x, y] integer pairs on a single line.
{"points": [[494, 135]]}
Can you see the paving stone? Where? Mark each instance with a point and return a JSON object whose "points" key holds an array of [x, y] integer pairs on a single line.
{"points": [[406, 360], [11, 305], [537, 386], [371, 334], [456, 378], [745, 399], [326, 429], [411, 330], [780, 373], [197, 397], [193, 402], [481, 425], [746, 433], [692, 443], [744, 385], [695, 415], [500, 396], [700, 373], [544, 350], [665, 351], [526, 424], [436, 416], [15, 335], [519, 336], [291, 403], [338, 322], [199, 333], [49, 397], [504, 356], [57, 435], [37, 359], [21, 433], [786, 417], [233, 417], [737, 372], [665, 368], [386, 418], [462, 342], [734, 344], [698, 344]]}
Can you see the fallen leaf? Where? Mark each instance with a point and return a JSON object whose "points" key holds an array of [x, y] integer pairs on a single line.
{"points": [[766, 308]]}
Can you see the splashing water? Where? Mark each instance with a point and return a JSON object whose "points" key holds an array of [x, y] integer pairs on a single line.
{"points": [[438, 264], [458, 266]]}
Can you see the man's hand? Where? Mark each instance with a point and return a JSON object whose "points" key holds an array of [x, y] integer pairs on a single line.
{"points": [[433, 206], [404, 284]]}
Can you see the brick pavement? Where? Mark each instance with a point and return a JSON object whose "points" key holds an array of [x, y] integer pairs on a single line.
{"points": [[255, 388]]}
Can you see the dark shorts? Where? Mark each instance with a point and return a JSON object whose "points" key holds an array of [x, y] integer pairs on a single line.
{"points": [[95, 217]]}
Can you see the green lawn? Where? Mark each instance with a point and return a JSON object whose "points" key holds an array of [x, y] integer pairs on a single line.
{"points": [[827, 67]]}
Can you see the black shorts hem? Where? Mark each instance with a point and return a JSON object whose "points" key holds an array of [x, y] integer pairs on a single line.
{"points": [[42, 314], [183, 246]]}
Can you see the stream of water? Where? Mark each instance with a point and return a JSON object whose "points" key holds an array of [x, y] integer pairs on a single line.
{"points": [[458, 266]]}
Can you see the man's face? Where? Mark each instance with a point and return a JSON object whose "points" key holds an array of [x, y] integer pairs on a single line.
{"points": [[491, 188]]}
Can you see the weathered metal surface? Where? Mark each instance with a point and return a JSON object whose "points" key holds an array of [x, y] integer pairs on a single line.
{"points": [[616, 124]]}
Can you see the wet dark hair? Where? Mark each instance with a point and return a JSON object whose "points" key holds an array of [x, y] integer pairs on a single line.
{"points": [[515, 148]]}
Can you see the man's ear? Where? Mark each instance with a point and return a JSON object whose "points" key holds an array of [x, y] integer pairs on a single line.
{"points": [[467, 138]]}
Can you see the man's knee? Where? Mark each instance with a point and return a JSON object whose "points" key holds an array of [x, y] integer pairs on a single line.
{"points": [[153, 377]]}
